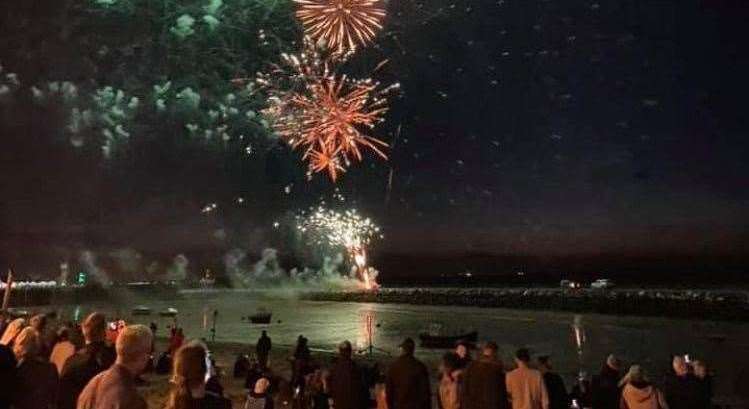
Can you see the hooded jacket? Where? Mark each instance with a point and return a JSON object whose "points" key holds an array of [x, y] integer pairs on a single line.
{"points": [[642, 396]]}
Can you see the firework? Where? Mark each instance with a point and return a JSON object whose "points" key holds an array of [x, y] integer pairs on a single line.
{"points": [[341, 24], [347, 230], [323, 114]]}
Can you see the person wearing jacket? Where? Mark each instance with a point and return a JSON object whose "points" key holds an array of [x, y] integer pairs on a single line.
{"points": [[558, 398], [92, 359], [263, 348], [62, 349], [115, 387], [484, 381], [8, 365], [605, 391], [450, 382], [705, 382], [638, 392], [407, 385], [681, 388], [346, 381], [35, 386]]}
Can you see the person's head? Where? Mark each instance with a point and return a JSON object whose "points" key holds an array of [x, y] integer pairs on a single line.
{"points": [[613, 362], [636, 376], [188, 375], [450, 362], [489, 350], [522, 357], [407, 346], [344, 349], [94, 327], [63, 334], [26, 344], [11, 332], [680, 365], [261, 386], [134, 347], [265, 334], [700, 369], [461, 348], [38, 322], [544, 363]]}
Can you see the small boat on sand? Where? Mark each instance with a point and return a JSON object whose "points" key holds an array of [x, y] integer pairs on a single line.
{"points": [[169, 312], [141, 310], [447, 341], [262, 316]]}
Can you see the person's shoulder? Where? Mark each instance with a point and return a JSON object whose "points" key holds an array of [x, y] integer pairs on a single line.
{"points": [[512, 374]]}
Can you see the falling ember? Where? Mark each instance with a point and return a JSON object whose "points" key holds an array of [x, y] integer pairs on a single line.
{"points": [[325, 115], [347, 230], [342, 25]]}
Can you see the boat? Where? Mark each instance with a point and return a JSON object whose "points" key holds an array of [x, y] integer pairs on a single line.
{"points": [[446, 341], [141, 310], [262, 316], [169, 312]]}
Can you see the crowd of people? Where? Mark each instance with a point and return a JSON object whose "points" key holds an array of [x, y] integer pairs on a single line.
{"points": [[480, 383], [84, 367]]}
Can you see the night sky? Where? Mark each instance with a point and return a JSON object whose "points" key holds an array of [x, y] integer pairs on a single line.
{"points": [[525, 128]]}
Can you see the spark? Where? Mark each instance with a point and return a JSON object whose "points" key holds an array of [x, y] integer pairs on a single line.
{"points": [[348, 230], [341, 25], [325, 115]]}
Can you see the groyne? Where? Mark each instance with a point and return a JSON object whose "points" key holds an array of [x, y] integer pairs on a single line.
{"points": [[690, 304]]}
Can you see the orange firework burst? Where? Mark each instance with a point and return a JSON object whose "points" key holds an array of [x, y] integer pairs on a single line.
{"points": [[324, 114], [341, 24]]}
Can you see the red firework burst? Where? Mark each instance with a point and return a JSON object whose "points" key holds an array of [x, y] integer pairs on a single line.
{"points": [[329, 120], [325, 115], [341, 24]]}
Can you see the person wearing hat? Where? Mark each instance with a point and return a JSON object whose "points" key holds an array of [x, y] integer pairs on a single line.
{"points": [[484, 381], [525, 386], [407, 384], [346, 382], [638, 392], [463, 351]]}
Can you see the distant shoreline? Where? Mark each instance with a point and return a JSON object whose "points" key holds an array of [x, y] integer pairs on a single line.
{"points": [[691, 304]]}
